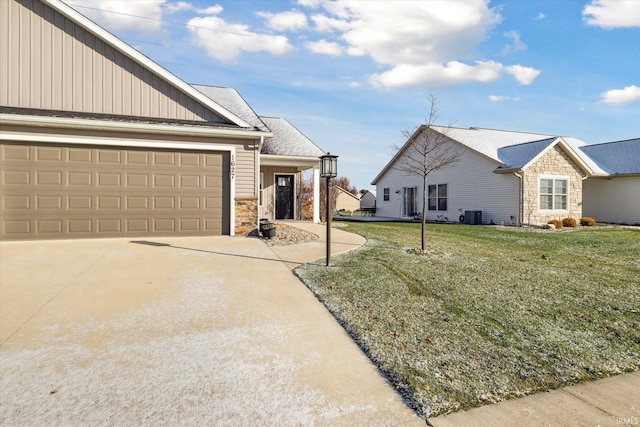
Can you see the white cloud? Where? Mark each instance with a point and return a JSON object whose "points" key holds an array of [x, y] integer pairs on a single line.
{"points": [[211, 10], [177, 7], [516, 45], [420, 43], [292, 20], [540, 16], [612, 13], [622, 96], [226, 41], [438, 74], [452, 72], [324, 47], [116, 15], [498, 98], [524, 75]]}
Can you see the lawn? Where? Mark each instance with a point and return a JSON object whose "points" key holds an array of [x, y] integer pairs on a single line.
{"points": [[489, 313]]}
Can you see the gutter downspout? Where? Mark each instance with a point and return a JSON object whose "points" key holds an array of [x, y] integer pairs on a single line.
{"points": [[520, 197], [259, 190]]}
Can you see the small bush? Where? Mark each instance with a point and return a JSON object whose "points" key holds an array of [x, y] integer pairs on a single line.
{"points": [[569, 222], [586, 221], [556, 222]]}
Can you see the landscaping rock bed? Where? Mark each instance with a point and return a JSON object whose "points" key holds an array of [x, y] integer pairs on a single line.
{"points": [[289, 235]]}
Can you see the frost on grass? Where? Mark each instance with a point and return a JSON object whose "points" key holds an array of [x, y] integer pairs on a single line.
{"points": [[487, 317]]}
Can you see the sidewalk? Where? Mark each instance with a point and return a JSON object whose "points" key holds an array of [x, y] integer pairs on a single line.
{"points": [[613, 401]]}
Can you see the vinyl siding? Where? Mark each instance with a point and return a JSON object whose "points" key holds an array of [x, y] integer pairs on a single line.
{"points": [[52, 63], [613, 200], [472, 185]]}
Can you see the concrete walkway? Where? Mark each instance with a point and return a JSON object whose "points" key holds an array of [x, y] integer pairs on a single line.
{"points": [[178, 331], [213, 331]]}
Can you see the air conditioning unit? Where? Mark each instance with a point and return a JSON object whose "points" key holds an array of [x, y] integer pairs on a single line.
{"points": [[473, 217]]}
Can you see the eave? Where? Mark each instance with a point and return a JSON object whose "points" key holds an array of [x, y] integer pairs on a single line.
{"points": [[300, 162], [114, 126]]}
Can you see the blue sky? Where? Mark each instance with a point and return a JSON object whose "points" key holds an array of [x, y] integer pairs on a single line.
{"points": [[353, 75]]}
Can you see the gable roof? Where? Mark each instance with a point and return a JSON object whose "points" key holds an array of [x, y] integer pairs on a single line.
{"points": [[230, 99], [287, 140], [616, 158], [510, 149], [144, 61], [343, 191]]}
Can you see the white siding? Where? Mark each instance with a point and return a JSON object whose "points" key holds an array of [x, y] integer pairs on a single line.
{"points": [[612, 200], [472, 185]]}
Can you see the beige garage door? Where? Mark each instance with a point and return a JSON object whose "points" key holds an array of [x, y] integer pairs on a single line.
{"points": [[52, 191]]}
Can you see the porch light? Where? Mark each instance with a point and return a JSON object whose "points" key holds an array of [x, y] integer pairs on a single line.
{"points": [[328, 169]]}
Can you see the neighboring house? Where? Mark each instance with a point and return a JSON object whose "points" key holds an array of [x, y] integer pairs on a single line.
{"points": [[511, 177], [345, 201], [97, 140], [368, 199], [615, 196]]}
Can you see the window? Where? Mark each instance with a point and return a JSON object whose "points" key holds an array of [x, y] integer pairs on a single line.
{"points": [[385, 194], [409, 201], [437, 197], [553, 194]]}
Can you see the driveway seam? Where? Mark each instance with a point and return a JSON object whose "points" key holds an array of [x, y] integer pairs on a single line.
{"points": [[46, 304]]}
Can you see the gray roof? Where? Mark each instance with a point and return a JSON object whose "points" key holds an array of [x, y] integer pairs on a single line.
{"points": [[618, 157], [288, 140], [231, 100]]}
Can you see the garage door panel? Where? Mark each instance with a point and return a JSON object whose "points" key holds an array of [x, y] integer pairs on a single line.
{"points": [[53, 192]]}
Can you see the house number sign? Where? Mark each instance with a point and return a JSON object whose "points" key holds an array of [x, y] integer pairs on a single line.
{"points": [[232, 167]]}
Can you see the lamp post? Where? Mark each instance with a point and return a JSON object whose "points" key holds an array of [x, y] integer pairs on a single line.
{"points": [[328, 169]]}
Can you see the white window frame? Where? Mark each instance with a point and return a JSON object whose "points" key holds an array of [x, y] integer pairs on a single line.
{"points": [[438, 197], [555, 178], [404, 201]]}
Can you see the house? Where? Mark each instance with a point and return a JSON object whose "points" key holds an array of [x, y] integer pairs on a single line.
{"points": [[97, 140], [283, 158], [345, 201], [507, 177], [368, 200], [613, 196]]}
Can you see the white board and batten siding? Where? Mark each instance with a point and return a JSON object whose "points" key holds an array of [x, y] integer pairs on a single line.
{"points": [[471, 185], [612, 200]]}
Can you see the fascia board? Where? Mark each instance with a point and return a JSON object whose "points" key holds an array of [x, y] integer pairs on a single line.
{"points": [[294, 161], [118, 44], [57, 122]]}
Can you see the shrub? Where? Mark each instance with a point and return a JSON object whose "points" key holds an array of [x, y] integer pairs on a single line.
{"points": [[556, 222], [569, 222], [586, 221]]}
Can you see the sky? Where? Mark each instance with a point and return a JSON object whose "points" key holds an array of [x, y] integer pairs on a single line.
{"points": [[355, 76]]}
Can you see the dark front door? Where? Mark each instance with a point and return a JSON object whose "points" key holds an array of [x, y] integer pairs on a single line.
{"points": [[284, 196]]}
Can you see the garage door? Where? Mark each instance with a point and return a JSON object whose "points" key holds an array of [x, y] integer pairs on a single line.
{"points": [[52, 191]]}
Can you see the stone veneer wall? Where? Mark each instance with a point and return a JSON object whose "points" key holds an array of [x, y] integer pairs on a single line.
{"points": [[554, 162], [246, 215]]}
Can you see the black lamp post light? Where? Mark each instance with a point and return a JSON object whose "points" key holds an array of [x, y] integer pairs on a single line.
{"points": [[328, 169]]}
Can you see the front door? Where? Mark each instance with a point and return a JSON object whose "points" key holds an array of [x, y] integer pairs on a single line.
{"points": [[284, 196]]}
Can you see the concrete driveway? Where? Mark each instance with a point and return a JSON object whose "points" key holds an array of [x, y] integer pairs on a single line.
{"points": [[177, 331]]}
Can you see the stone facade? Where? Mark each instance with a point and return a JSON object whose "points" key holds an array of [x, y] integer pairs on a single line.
{"points": [[554, 163], [246, 215]]}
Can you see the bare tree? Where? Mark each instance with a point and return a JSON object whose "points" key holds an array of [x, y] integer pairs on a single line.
{"points": [[427, 149]]}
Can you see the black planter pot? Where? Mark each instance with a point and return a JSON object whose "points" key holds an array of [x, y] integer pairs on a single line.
{"points": [[268, 232]]}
